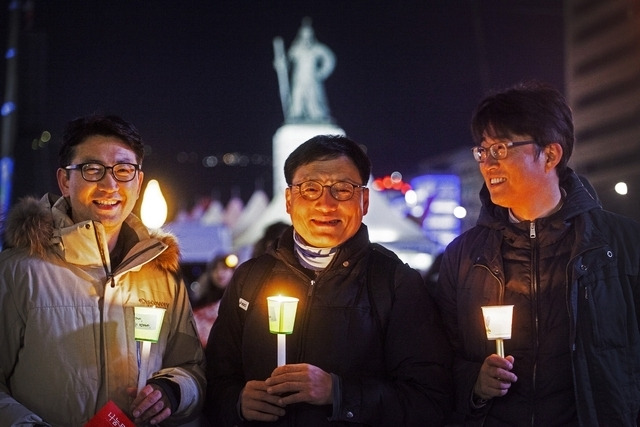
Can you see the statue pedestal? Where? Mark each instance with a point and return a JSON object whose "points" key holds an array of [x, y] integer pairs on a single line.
{"points": [[286, 139]]}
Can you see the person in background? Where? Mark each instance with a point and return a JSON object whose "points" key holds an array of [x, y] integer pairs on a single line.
{"points": [[571, 270], [74, 268], [271, 234], [212, 283], [367, 347]]}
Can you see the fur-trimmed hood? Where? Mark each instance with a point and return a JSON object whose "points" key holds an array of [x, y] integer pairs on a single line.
{"points": [[35, 225]]}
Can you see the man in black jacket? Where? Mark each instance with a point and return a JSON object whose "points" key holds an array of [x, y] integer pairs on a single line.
{"points": [[543, 244], [367, 347]]}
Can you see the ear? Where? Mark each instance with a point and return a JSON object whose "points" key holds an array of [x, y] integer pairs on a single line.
{"points": [[63, 181], [287, 196], [365, 201], [552, 154], [140, 180]]}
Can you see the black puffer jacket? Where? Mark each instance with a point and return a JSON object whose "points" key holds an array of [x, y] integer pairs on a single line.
{"points": [[401, 378], [573, 278]]}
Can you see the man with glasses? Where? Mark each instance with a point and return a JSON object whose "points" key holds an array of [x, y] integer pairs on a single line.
{"points": [[76, 267], [570, 269], [367, 346]]}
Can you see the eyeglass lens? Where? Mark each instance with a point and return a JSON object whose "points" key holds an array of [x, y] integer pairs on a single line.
{"points": [[121, 171], [312, 190]]}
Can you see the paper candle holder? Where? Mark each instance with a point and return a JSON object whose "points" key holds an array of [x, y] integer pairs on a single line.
{"points": [[282, 314], [148, 323], [497, 324], [497, 321]]}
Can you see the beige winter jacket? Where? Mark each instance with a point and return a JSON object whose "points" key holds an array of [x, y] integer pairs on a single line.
{"points": [[67, 320]]}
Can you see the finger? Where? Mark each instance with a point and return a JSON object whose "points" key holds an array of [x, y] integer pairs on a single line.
{"points": [[149, 401], [163, 415]]}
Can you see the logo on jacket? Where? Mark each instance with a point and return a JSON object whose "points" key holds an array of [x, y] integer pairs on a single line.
{"points": [[153, 303]]}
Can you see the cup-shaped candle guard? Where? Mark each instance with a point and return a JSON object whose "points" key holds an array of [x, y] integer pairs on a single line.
{"points": [[148, 321], [497, 321], [282, 314], [497, 324]]}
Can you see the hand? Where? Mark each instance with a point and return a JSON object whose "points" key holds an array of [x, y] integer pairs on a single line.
{"points": [[150, 405], [495, 377], [258, 405], [301, 383]]}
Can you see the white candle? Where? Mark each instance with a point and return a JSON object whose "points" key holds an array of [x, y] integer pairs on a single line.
{"points": [[148, 324], [282, 315]]}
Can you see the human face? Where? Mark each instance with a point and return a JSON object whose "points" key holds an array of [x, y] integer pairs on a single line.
{"points": [[522, 179], [108, 201], [327, 222]]}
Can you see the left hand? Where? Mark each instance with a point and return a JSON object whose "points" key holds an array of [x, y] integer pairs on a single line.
{"points": [[150, 405], [301, 383]]}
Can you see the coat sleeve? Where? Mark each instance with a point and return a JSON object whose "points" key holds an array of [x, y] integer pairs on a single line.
{"points": [[12, 328], [225, 375], [183, 362], [416, 388], [465, 371]]}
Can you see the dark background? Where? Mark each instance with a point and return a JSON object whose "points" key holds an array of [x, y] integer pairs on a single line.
{"points": [[197, 79]]}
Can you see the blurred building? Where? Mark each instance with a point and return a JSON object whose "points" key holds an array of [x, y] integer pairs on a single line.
{"points": [[602, 73]]}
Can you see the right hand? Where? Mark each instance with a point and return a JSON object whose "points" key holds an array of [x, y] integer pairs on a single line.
{"points": [[495, 377], [258, 405]]}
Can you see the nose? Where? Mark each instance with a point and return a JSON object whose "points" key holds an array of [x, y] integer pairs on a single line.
{"points": [[326, 201], [108, 180]]}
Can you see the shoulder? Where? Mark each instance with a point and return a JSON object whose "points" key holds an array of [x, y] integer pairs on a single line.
{"points": [[30, 226]]}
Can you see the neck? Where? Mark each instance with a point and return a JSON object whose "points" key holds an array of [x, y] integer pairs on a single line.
{"points": [[540, 207]]}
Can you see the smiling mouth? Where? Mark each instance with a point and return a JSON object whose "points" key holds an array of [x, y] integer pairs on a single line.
{"points": [[106, 203], [495, 181], [330, 222]]}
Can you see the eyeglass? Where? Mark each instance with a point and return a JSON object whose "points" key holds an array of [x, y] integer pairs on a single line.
{"points": [[498, 150], [341, 190], [92, 172]]}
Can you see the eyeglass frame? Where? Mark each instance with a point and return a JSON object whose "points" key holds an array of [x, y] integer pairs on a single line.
{"points": [[80, 167], [330, 187], [491, 149]]}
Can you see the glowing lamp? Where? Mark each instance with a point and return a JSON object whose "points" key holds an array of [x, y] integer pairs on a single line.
{"points": [[497, 323], [282, 316], [153, 210]]}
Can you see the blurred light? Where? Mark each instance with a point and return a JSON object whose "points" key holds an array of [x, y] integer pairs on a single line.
{"points": [[153, 210], [383, 235], [229, 159], [442, 206], [396, 177], [210, 161], [8, 108], [231, 260], [621, 188], [411, 197], [417, 211], [11, 53], [459, 212], [182, 157]]}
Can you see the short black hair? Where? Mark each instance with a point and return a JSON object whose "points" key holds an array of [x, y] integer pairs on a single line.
{"points": [[81, 128], [530, 108], [327, 147]]}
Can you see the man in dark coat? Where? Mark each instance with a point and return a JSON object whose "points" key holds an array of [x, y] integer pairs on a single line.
{"points": [[543, 244], [367, 347]]}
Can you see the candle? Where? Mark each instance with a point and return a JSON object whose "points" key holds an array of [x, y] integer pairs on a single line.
{"points": [[148, 323], [497, 323], [282, 316]]}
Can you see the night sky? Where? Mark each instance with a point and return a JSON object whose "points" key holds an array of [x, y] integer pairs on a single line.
{"points": [[196, 77]]}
